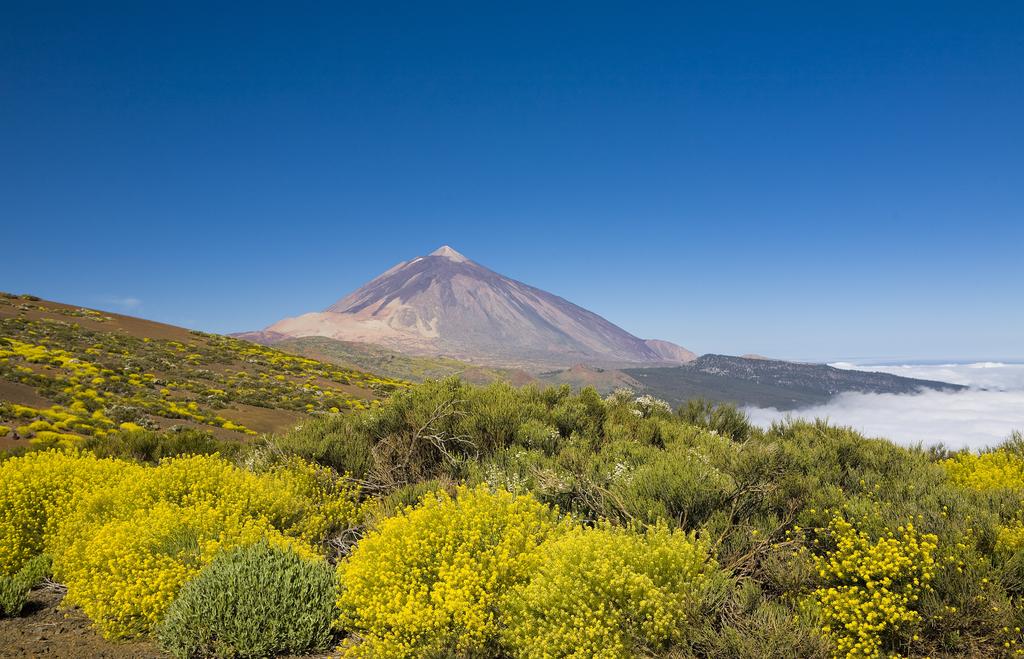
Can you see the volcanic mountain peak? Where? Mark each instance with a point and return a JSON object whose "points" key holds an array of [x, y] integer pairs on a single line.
{"points": [[449, 253], [446, 304]]}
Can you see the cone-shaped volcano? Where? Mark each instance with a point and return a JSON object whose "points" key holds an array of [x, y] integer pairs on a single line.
{"points": [[444, 303]]}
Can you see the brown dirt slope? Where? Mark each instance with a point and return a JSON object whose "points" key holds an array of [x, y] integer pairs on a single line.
{"points": [[44, 630]]}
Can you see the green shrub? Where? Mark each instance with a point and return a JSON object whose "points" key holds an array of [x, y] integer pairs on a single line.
{"points": [[496, 413], [396, 503], [723, 418], [576, 415], [535, 434], [152, 446], [415, 435], [608, 592], [680, 485], [14, 589], [252, 601], [335, 441], [517, 470], [765, 629]]}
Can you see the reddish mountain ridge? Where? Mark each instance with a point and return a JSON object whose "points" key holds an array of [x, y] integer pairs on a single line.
{"points": [[446, 304]]}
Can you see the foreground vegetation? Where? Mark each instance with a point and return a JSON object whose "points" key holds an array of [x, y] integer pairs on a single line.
{"points": [[454, 520]]}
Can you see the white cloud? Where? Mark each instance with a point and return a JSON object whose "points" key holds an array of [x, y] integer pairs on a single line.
{"points": [[123, 302], [984, 375], [981, 416]]}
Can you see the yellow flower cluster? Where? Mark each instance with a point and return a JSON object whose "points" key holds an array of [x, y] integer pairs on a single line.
{"points": [[428, 581], [999, 469], [1010, 537], [607, 592], [126, 572], [995, 470], [37, 492], [125, 537], [318, 502], [872, 586]]}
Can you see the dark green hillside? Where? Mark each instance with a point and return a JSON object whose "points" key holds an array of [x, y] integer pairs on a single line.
{"points": [[768, 382]]}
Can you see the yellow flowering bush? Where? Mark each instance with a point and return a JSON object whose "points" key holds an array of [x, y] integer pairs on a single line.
{"points": [[999, 469], [871, 587], [125, 537], [429, 580], [609, 592], [39, 490], [1010, 537], [318, 502], [301, 499], [126, 573], [989, 472], [125, 552]]}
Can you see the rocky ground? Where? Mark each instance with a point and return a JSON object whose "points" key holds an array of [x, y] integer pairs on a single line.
{"points": [[44, 630]]}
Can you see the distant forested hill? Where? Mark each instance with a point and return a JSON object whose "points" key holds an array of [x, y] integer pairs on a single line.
{"points": [[769, 382]]}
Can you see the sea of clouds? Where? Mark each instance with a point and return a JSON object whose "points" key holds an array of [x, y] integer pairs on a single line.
{"points": [[983, 415]]}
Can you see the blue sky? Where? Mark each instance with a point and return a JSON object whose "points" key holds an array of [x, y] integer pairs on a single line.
{"points": [[812, 180]]}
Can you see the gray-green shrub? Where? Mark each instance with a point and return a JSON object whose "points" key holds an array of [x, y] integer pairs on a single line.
{"points": [[14, 589], [253, 601]]}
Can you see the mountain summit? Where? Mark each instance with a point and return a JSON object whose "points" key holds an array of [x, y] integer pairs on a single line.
{"points": [[444, 303], [449, 253]]}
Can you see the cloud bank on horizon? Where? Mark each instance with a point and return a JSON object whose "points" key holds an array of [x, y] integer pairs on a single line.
{"points": [[981, 416], [981, 375]]}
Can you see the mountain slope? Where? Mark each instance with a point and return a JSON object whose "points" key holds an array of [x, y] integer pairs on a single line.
{"points": [[388, 363], [670, 352], [604, 380], [445, 304]]}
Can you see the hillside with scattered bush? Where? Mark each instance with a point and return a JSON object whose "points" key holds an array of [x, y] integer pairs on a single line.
{"points": [[762, 382], [70, 376], [447, 519]]}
